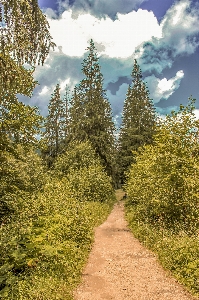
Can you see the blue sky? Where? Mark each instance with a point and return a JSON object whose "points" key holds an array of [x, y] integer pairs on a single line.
{"points": [[162, 35]]}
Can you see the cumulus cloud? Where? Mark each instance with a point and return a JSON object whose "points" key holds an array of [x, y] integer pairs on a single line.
{"points": [[163, 88], [101, 8], [180, 27], [134, 34], [179, 36], [111, 36], [120, 34]]}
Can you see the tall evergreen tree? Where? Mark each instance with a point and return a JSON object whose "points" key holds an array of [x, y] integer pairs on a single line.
{"points": [[54, 127], [64, 122], [138, 120], [90, 113]]}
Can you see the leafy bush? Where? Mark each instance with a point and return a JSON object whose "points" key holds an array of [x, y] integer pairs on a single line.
{"points": [[49, 240], [163, 196], [85, 174], [21, 171], [163, 184], [90, 184], [45, 242], [78, 155]]}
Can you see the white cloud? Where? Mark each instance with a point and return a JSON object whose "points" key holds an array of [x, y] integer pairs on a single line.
{"points": [[116, 40], [64, 83], [196, 112], [179, 36], [101, 8], [163, 88], [73, 34], [179, 24], [44, 90]]}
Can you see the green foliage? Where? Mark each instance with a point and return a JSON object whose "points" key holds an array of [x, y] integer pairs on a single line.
{"points": [[20, 124], [162, 204], [82, 168], [14, 79], [78, 155], [163, 184], [90, 184], [48, 229], [20, 173], [44, 249], [26, 44], [25, 40], [21, 44]]}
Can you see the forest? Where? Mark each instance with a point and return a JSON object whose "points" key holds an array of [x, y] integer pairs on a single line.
{"points": [[58, 174]]}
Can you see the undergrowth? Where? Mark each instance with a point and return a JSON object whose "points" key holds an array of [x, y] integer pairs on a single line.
{"points": [[163, 195], [43, 255], [177, 252], [47, 231]]}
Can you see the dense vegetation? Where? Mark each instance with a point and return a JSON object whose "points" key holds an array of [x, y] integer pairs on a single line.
{"points": [[48, 226], [163, 195], [53, 192]]}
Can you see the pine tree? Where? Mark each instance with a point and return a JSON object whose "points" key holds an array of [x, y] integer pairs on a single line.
{"points": [[54, 127], [76, 111], [64, 122], [91, 116], [138, 120]]}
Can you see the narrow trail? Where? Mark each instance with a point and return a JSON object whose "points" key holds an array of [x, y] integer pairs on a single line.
{"points": [[119, 267]]}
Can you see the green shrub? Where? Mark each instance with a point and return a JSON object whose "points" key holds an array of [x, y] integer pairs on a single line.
{"points": [[46, 243], [78, 155], [85, 175], [163, 183], [90, 184], [163, 196], [21, 172]]}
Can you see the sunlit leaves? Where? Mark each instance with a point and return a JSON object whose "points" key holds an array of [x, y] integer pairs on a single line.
{"points": [[21, 123], [48, 229], [86, 177], [26, 37], [163, 183]]}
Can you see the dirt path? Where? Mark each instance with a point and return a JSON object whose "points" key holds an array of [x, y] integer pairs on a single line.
{"points": [[119, 267]]}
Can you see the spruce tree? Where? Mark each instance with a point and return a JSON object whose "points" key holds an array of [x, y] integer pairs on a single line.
{"points": [[138, 121], [91, 116], [64, 122], [54, 127]]}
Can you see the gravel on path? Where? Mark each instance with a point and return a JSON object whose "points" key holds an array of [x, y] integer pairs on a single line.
{"points": [[119, 267]]}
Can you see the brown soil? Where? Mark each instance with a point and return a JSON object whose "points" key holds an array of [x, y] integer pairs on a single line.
{"points": [[119, 267]]}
